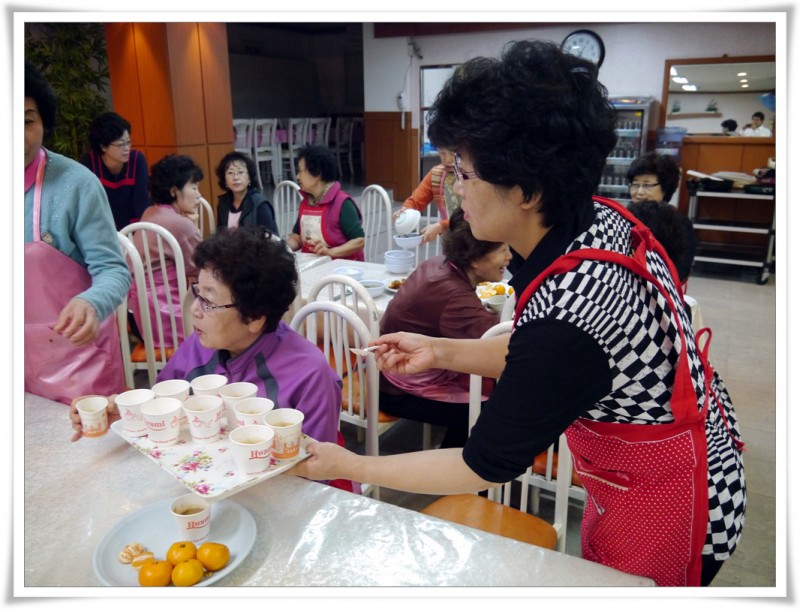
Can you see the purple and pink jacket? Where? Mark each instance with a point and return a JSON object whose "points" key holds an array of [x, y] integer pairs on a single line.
{"points": [[287, 368]]}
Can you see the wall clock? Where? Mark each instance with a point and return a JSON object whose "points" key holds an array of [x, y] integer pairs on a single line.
{"points": [[586, 44]]}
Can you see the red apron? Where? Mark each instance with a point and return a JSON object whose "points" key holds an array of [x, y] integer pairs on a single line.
{"points": [[54, 368], [647, 485]]}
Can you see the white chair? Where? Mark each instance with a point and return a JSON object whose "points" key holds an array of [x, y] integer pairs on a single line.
{"points": [[287, 203], [376, 209], [266, 150], [357, 143], [205, 218], [344, 144], [296, 137], [342, 329], [319, 131], [243, 136], [507, 313], [432, 248], [137, 270], [350, 293], [159, 247]]}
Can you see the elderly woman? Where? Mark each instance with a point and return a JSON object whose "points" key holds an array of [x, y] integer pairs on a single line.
{"points": [[601, 348], [75, 274], [655, 177], [328, 220], [121, 169], [242, 203], [246, 282], [174, 184], [439, 299]]}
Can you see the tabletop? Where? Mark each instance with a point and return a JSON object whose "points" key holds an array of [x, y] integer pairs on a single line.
{"points": [[308, 534]]}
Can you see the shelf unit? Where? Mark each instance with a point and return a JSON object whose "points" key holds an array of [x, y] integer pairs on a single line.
{"points": [[635, 116], [729, 253]]}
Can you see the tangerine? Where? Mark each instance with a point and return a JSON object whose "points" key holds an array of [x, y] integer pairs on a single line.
{"points": [[213, 555], [181, 551], [187, 572], [499, 289], [155, 573], [141, 559]]}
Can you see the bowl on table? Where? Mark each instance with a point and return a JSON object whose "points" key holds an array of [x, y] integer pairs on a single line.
{"points": [[349, 271], [407, 222], [409, 241], [373, 286], [399, 261]]}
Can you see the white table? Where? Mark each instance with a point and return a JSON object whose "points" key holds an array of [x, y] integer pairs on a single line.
{"points": [[308, 534]]}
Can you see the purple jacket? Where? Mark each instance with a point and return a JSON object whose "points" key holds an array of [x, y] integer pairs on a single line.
{"points": [[286, 367]]}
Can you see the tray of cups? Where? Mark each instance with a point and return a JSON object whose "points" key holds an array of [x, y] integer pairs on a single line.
{"points": [[210, 470]]}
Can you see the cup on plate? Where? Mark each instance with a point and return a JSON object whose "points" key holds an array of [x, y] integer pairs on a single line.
{"points": [[287, 423], [233, 393], [94, 416], [496, 303], [252, 448], [204, 413], [192, 516], [129, 404], [174, 388], [250, 411], [162, 417], [208, 384]]}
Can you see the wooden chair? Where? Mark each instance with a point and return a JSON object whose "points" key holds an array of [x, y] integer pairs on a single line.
{"points": [[287, 203], [266, 149], [376, 209], [157, 280], [341, 329], [137, 275], [243, 136]]}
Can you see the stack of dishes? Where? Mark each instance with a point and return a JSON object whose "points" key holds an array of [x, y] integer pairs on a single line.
{"points": [[399, 261]]}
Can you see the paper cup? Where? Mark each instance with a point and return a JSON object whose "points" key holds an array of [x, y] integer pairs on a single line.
{"points": [[174, 388], [250, 411], [205, 415], [496, 303], [193, 518], [287, 423], [208, 384], [233, 393], [252, 448], [94, 416], [129, 404], [162, 417]]}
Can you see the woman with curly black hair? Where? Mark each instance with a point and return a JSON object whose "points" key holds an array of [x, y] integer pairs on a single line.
{"points": [[602, 349], [242, 203]]}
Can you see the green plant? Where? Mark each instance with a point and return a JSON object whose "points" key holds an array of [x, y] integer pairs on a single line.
{"points": [[72, 57]]}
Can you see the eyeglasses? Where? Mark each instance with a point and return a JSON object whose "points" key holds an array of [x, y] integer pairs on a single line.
{"points": [[461, 175], [645, 187], [236, 174], [122, 144], [207, 306]]}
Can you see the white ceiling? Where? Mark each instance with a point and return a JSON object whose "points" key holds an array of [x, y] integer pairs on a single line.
{"points": [[722, 78]]}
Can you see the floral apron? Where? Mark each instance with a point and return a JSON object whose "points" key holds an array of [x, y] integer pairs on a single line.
{"points": [[54, 368]]}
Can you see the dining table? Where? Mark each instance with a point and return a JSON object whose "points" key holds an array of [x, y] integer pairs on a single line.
{"points": [[305, 534]]}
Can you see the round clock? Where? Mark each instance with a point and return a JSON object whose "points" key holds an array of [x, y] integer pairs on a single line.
{"points": [[586, 44]]}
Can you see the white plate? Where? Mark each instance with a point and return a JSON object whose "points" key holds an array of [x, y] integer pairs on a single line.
{"points": [[349, 271], [490, 284], [392, 290], [153, 527], [207, 470]]}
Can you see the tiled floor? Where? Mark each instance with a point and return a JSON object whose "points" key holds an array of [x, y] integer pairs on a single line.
{"points": [[742, 317]]}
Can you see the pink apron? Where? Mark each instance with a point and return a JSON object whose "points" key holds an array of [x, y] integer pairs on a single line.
{"points": [[54, 368], [647, 485]]}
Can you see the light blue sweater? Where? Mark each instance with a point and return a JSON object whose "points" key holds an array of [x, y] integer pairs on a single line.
{"points": [[76, 219]]}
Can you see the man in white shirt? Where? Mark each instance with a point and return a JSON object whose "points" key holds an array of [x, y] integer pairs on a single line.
{"points": [[756, 127]]}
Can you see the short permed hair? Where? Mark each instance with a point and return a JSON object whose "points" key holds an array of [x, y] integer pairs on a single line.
{"points": [[320, 162], [226, 161], [460, 247], [39, 90], [106, 128], [259, 271], [665, 222], [663, 166], [172, 171], [536, 118]]}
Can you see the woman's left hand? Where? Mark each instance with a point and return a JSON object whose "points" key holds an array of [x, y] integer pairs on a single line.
{"points": [[78, 322]]}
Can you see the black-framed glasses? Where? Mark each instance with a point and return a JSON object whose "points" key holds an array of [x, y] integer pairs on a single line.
{"points": [[634, 186], [461, 175], [207, 306]]}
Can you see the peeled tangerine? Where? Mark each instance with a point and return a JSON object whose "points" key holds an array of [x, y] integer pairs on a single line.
{"points": [[141, 559]]}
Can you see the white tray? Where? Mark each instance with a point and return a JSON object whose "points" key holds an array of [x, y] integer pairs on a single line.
{"points": [[153, 527], [208, 470]]}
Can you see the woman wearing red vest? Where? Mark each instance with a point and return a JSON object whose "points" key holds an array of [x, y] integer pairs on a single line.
{"points": [[121, 169], [329, 220], [601, 349]]}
